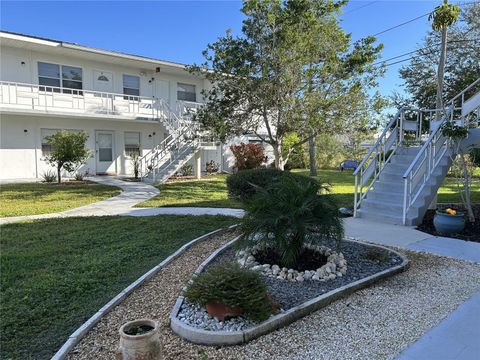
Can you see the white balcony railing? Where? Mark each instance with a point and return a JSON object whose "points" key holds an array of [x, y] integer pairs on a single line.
{"points": [[33, 97]]}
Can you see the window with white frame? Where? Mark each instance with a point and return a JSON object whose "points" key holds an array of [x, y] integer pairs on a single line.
{"points": [[46, 147], [186, 92], [131, 85], [132, 143], [60, 76]]}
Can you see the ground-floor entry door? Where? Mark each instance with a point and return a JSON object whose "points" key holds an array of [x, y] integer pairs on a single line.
{"points": [[104, 152]]}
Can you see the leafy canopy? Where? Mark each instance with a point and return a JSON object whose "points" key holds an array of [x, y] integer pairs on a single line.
{"points": [[293, 69]]}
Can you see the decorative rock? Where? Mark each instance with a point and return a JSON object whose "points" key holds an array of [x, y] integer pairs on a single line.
{"points": [[331, 276], [299, 278], [315, 277]]}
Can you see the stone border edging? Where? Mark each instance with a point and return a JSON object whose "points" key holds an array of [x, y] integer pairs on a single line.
{"points": [[78, 334], [221, 338]]}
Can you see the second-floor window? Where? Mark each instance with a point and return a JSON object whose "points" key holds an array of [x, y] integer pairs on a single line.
{"points": [[131, 85], [59, 76], [186, 92]]}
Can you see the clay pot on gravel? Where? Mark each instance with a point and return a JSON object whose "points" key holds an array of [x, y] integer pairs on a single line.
{"points": [[140, 340], [222, 311]]}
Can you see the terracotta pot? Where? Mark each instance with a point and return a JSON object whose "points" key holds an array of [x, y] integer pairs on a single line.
{"points": [[145, 346], [221, 311]]}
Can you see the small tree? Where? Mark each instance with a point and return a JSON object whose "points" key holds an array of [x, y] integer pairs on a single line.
{"points": [[248, 156], [68, 151], [135, 159]]}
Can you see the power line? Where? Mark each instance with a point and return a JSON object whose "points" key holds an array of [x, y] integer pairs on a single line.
{"points": [[418, 50], [361, 7], [404, 23]]}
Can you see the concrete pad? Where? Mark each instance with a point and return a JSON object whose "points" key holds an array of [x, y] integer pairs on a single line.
{"points": [[183, 211], [380, 233], [459, 249], [455, 338]]}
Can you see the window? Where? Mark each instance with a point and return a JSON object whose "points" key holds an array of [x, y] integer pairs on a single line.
{"points": [[186, 92], [68, 78], [132, 142], [131, 85], [46, 147]]}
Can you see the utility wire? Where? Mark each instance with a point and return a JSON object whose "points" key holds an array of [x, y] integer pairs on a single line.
{"points": [[361, 7], [404, 23]]}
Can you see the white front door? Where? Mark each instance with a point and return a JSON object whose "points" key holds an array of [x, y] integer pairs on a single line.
{"points": [[162, 90], [102, 81], [104, 152]]}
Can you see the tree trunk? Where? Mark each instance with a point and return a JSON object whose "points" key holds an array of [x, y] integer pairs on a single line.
{"points": [[313, 160], [466, 188], [277, 153], [440, 73], [59, 173]]}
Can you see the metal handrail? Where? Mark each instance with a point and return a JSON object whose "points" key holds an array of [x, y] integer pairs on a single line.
{"points": [[430, 155]]}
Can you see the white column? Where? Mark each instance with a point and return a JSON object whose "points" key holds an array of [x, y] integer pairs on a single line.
{"points": [[198, 164]]}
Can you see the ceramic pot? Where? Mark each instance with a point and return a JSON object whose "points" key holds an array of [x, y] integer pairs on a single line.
{"points": [[222, 311], [145, 346], [447, 224]]}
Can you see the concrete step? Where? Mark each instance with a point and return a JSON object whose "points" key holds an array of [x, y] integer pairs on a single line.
{"points": [[402, 159], [380, 195], [410, 150], [388, 186], [384, 216], [388, 206]]}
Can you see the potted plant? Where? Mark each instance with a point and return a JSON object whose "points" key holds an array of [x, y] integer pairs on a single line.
{"points": [[228, 290], [449, 221], [139, 339]]}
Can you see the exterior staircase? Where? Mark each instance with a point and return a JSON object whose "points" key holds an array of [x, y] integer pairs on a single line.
{"points": [[182, 143], [402, 172]]}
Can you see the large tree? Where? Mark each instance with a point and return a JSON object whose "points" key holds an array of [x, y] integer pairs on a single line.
{"points": [[462, 65], [293, 69]]}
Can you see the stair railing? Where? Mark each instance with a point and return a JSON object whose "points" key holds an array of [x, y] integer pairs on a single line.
{"points": [[434, 150], [373, 163]]}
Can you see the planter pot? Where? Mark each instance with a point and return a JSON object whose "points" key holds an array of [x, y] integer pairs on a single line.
{"points": [[447, 224], [140, 345], [221, 311]]}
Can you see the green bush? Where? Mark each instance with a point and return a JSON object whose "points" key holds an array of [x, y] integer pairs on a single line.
{"points": [[232, 285], [288, 214], [49, 176], [243, 185]]}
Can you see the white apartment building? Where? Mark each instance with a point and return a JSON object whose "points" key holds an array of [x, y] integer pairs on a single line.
{"points": [[125, 103]]}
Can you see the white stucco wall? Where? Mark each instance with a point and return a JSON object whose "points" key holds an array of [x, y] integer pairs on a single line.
{"points": [[20, 142]]}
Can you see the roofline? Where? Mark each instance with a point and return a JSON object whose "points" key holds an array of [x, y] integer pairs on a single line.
{"points": [[74, 46]]}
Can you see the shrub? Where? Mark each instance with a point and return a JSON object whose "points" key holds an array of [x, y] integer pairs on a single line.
{"points": [[135, 160], [212, 167], [187, 169], [232, 285], [49, 176], [79, 176], [288, 214], [248, 156], [243, 185]]}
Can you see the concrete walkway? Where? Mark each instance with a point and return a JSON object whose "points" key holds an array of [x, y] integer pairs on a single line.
{"points": [[123, 204], [457, 336]]}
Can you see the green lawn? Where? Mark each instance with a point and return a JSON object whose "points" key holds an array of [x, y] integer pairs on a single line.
{"points": [[343, 187], [210, 191], [57, 273], [41, 198]]}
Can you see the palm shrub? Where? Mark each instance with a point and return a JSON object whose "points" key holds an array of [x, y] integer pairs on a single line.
{"points": [[232, 285], [288, 214]]}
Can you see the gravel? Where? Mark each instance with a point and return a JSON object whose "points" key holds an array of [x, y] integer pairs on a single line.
{"points": [[289, 294], [374, 323]]}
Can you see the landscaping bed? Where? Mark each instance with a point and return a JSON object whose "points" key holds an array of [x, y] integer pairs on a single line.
{"points": [[288, 295], [377, 322], [471, 231]]}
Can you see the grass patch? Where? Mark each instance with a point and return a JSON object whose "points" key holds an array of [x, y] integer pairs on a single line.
{"points": [[343, 187], [40, 198], [207, 192], [57, 273]]}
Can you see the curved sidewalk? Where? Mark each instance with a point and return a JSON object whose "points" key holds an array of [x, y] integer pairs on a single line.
{"points": [[123, 204]]}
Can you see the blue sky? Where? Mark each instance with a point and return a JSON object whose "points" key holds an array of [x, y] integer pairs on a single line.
{"points": [[179, 30]]}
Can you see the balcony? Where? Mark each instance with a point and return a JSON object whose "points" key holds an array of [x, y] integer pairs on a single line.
{"points": [[38, 99]]}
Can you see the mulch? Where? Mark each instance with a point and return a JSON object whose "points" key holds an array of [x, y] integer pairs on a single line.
{"points": [[471, 231]]}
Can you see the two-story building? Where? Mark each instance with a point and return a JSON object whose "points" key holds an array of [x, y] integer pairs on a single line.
{"points": [[125, 103]]}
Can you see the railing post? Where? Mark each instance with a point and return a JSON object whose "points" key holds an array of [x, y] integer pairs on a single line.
{"points": [[405, 191], [355, 197]]}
